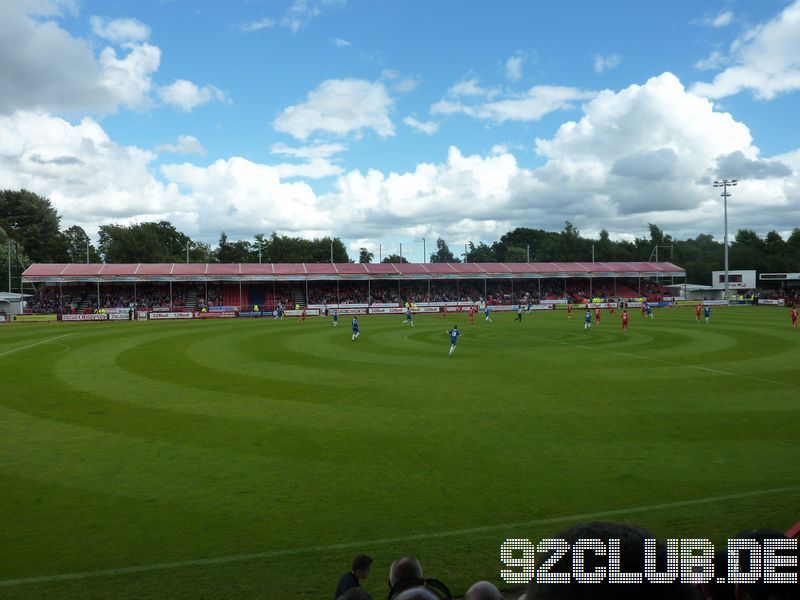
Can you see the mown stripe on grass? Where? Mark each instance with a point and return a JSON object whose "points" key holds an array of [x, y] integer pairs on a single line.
{"points": [[382, 541], [39, 343]]}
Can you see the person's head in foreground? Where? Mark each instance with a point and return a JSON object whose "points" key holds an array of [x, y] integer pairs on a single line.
{"points": [[406, 569], [483, 590], [361, 566], [631, 555], [417, 593], [405, 577]]}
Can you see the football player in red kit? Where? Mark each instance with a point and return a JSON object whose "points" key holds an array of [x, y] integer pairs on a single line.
{"points": [[698, 311], [597, 313], [794, 317], [569, 310], [624, 320]]}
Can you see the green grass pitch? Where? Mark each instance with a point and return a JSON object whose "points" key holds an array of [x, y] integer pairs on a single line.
{"points": [[254, 458]]}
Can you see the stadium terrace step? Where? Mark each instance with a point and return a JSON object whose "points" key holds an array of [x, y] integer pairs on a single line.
{"points": [[191, 299]]}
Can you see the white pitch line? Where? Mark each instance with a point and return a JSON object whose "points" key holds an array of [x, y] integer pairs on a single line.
{"points": [[47, 341], [698, 368], [382, 541]]}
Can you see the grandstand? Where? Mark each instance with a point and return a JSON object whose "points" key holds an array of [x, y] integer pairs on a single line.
{"points": [[190, 286]]}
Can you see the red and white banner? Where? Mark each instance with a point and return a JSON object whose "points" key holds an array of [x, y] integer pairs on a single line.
{"points": [[228, 314], [514, 307], [320, 307], [118, 316], [601, 305], [311, 312], [351, 311], [170, 315], [90, 317], [426, 309], [771, 302], [382, 310]]}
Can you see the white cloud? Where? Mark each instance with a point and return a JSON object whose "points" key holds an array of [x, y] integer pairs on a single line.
{"points": [[721, 19], [406, 85], [130, 76], [315, 168], [118, 31], [398, 83], [186, 95], [257, 25], [471, 87], [308, 152], [340, 43], [712, 62], [527, 106], [43, 67], [89, 177], [646, 153], [427, 127], [301, 12], [245, 197], [513, 66], [606, 62], [340, 107], [764, 59], [318, 160], [186, 144]]}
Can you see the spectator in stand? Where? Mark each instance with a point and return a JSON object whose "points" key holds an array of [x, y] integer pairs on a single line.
{"points": [[483, 590], [352, 579]]}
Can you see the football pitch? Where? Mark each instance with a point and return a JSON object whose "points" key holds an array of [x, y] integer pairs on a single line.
{"points": [[255, 458]]}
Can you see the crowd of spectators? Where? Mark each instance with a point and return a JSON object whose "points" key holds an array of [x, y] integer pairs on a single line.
{"points": [[407, 580], [75, 298], [789, 296]]}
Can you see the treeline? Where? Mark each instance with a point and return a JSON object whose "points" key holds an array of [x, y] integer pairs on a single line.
{"points": [[34, 227]]}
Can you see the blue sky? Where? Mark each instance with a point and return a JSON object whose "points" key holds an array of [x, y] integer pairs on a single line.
{"points": [[388, 121]]}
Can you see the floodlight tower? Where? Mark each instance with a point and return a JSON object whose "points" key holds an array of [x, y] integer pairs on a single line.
{"points": [[725, 184]]}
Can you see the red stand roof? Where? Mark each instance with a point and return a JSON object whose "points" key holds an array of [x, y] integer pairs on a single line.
{"points": [[212, 271]]}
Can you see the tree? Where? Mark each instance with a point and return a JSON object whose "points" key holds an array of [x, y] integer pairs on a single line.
{"points": [[443, 254], [747, 251], [480, 253], [240, 251], [31, 220], [143, 242], [365, 256], [19, 261], [76, 240], [516, 255], [775, 250], [394, 258]]}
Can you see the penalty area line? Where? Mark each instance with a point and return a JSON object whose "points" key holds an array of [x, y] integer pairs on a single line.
{"points": [[383, 541], [47, 341]]}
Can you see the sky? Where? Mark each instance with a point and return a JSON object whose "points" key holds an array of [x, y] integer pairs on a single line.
{"points": [[388, 122]]}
